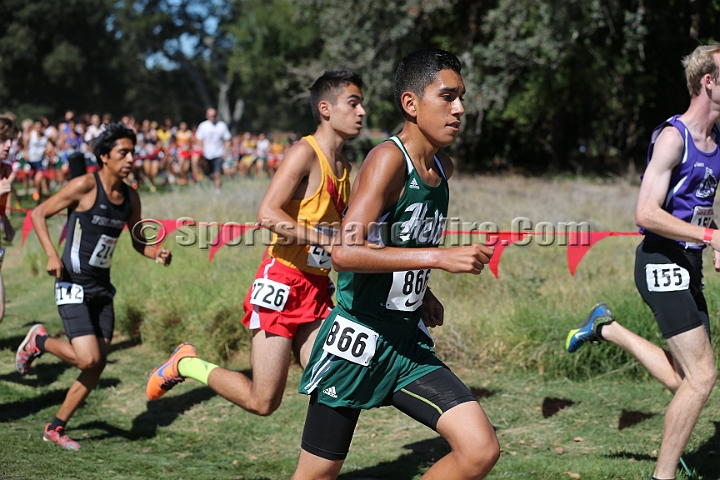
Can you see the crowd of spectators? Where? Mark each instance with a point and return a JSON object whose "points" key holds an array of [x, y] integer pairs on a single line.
{"points": [[165, 153]]}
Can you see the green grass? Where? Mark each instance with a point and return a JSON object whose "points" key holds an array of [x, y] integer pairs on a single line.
{"points": [[505, 338]]}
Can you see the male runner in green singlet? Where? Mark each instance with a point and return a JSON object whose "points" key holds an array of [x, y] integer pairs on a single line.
{"points": [[373, 349]]}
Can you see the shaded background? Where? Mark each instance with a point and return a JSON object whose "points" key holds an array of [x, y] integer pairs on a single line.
{"points": [[552, 85]]}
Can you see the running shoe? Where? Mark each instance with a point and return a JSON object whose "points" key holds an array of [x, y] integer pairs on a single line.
{"points": [[587, 331], [58, 436], [166, 376], [28, 351]]}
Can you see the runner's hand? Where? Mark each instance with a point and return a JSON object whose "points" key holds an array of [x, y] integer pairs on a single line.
{"points": [[469, 259], [54, 267], [5, 186], [716, 260], [163, 257], [433, 312]]}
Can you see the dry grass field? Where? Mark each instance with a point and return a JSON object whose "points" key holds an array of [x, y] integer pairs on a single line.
{"points": [[505, 338]]}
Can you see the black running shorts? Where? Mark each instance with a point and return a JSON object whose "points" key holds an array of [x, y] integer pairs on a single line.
{"points": [[93, 317], [669, 278], [328, 431]]}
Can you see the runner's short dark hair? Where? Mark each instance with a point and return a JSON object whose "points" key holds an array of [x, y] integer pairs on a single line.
{"points": [[107, 139], [419, 69], [7, 127], [326, 88]]}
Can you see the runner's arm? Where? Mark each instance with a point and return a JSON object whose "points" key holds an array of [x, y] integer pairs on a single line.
{"points": [[161, 255], [649, 214], [69, 196], [296, 166], [378, 186]]}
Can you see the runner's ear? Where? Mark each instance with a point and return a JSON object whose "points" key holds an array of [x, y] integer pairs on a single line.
{"points": [[324, 108], [408, 101]]}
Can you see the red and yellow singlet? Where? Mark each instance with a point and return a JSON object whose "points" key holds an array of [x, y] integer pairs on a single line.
{"points": [[322, 212]]}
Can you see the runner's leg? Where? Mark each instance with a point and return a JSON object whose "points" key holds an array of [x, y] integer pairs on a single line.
{"points": [[91, 354], [304, 339], [2, 298], [441, 401], [270, 363], [312, 467], [475, 448], [326, 440], [693, 352], [659, 362]]}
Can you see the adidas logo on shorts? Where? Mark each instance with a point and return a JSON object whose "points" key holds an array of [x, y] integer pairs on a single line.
{"points": [[414, 184], [330, 392]]}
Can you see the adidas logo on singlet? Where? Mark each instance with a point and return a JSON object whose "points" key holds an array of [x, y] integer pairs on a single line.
{"points": [[414, 184], [330, 392]]}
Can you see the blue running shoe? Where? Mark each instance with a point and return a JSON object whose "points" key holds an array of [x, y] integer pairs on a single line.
{"points": [[587, 331]]}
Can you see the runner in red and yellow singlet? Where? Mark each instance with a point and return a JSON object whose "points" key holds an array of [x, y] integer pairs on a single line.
{"points": [[291, 294]]}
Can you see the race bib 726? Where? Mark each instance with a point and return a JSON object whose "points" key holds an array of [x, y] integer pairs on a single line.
{"points": [[269, 294]]}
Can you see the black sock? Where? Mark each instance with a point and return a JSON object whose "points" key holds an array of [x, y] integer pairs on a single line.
{"points": [[598, 332], [57, 423], [40, 343]]}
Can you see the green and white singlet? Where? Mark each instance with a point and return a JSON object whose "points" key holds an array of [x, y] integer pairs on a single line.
{"points": [[373, 343]]}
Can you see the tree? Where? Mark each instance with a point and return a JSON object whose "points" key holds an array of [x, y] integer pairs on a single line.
{"points": [[59, 55], [270, 42]]}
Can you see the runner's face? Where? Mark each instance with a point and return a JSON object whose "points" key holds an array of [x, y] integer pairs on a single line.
{"points": [[439, 111], [5, 144], [347, 113], [120, 160], [716, 81]]}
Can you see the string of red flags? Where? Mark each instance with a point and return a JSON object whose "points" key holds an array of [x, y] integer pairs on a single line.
{"points": [[578, 243]]}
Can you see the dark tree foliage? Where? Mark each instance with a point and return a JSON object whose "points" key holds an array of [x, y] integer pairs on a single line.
{"points": [[552, 85], [58, 55]]}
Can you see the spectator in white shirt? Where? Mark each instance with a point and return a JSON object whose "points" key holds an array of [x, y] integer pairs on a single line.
{"points": [[214, 137]]}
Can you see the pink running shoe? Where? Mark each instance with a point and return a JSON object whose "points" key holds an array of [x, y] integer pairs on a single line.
{"points": [[58, 436], [28, 351]]}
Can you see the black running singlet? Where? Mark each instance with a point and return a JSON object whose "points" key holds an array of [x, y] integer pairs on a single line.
{"points": [[91, 239]]}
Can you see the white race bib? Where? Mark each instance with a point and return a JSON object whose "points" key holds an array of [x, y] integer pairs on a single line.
{"points": [[269, 294], [351, 341], [408, 289], [666, 277], [317, 256], [703, 217], [67, 293], [102, 255]]}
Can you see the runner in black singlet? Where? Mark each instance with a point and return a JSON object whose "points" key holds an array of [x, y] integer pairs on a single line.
{"points": [[101, 205]]}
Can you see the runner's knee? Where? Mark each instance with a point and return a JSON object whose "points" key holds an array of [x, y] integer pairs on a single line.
{"points": [[704, 380], [265, 408], [479, 454]]}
